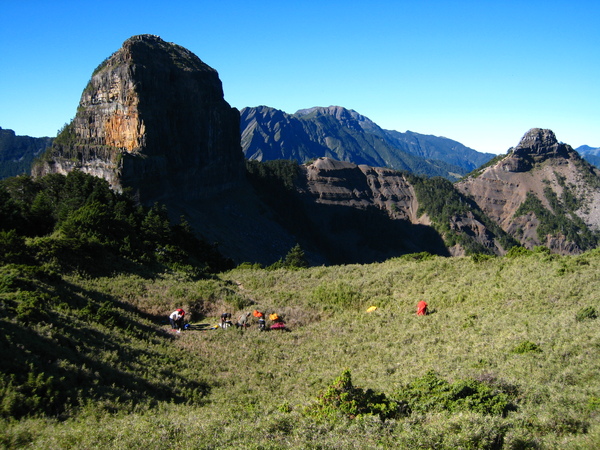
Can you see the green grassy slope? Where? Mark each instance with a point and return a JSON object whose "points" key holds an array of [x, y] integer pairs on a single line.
{"points": [[515, 325]]}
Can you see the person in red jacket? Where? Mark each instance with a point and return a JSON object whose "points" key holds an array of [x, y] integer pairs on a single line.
{"points": [[422, 308]]}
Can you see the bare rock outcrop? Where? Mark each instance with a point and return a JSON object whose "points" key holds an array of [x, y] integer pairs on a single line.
{"points": [[152, 118], [342, 183]]}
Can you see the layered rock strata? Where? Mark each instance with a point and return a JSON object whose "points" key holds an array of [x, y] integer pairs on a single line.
{"points": [[338, 184], [153, 118]]}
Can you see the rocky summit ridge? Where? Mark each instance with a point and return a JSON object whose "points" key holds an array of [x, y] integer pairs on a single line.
{"points": [[152, 117]]}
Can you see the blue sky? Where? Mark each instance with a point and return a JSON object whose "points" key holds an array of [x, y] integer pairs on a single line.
{"points": [[480, 72]]}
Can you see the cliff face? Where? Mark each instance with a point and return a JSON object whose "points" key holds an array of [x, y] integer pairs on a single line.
{"points": [[542, 170], [331, 182], [153, 118], [373, 213]]}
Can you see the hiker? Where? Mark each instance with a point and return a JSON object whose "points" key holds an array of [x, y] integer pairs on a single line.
{"points": [[261, 319], [422, 308], [225, 320], [243, 320], [176, 319]]}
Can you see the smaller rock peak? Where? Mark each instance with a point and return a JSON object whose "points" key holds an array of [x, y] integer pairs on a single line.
{"points": [[538, 137], [541, 144]]}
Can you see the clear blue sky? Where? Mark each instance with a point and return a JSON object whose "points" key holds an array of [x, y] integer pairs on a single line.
{"points": [[480, 72]]}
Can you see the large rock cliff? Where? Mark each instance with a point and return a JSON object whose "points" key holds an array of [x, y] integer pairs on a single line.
{"points": [[152, 118]]}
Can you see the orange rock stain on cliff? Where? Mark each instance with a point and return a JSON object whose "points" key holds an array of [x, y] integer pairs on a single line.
{"points": [[124, 130]]}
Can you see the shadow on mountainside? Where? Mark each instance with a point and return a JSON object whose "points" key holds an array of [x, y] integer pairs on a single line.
{"points": [[348, 235]]}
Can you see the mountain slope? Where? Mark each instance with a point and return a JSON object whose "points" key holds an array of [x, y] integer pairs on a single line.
{"points": [[439, 148], [542, 192], [343, 134], [348, 212]]}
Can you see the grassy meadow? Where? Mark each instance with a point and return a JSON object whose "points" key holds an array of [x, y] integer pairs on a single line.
{"points": [[514, 331]]}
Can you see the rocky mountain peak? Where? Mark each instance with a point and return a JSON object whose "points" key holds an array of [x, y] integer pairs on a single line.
{"points": [[537, 137], [539, 142], [547, 174], [153, 118]]}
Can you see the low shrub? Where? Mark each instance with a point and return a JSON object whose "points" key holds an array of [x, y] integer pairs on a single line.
{"points": [[432, 393], [526, 347], [517, 251], [339, 294], [480, 257], [343, 398], [421, 256]]}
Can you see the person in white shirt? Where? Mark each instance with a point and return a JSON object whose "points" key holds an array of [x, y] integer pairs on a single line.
{"points": [[176, 319]]}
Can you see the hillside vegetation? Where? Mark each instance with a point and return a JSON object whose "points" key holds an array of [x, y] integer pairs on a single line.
{"points": [[508, 357]]}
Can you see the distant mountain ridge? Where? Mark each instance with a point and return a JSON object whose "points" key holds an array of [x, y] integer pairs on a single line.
{"points": [[17, 152], [346, 135], [590, 154]]}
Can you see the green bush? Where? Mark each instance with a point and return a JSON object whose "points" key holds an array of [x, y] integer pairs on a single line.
{"points": [[421, 256], [480, 257], [342, 398], [338, 294], [295, 259], [32, 306], [38, 392], [12, 248], [518, 251], [432, 393]]}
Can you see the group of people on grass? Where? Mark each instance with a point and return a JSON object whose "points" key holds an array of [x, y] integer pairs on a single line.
{"points": [[244, 320], [177, 323], [176, 319]]}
